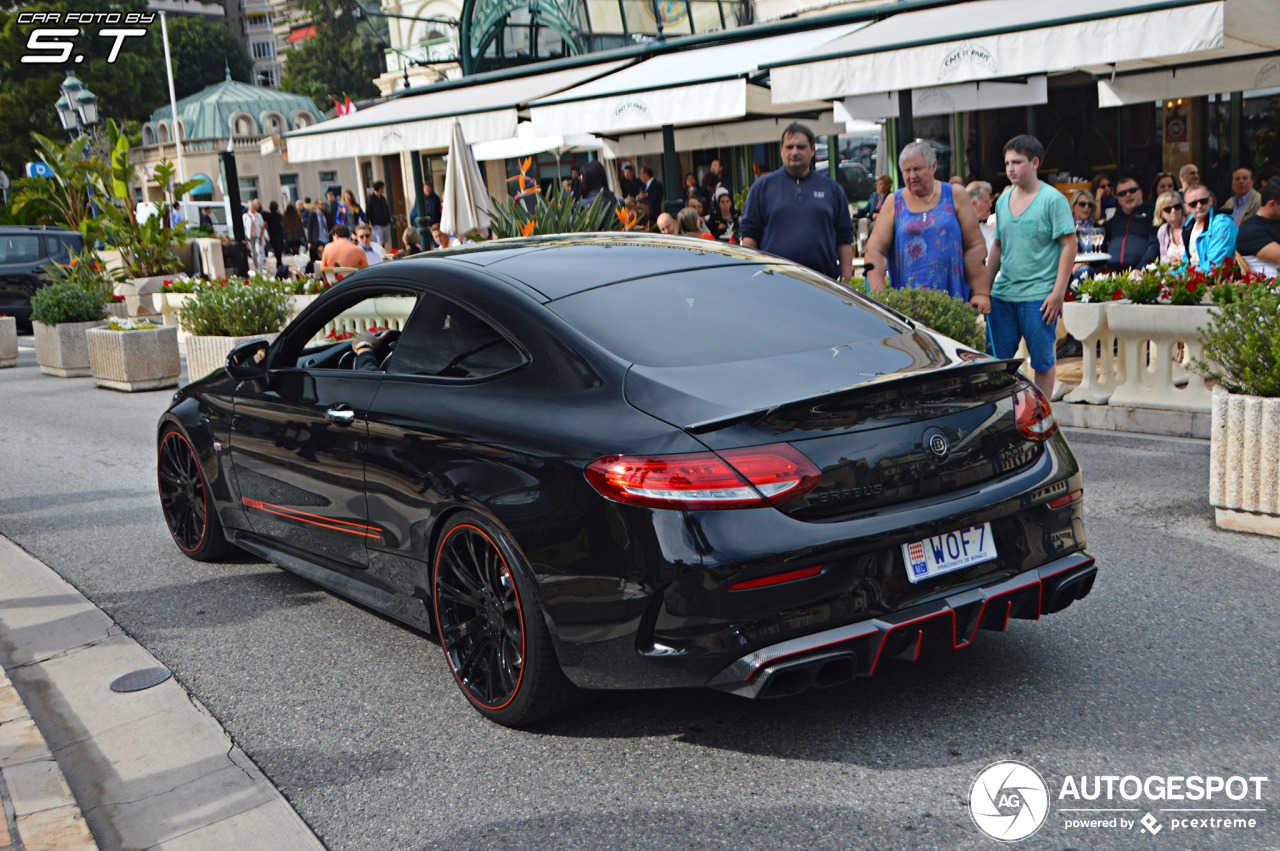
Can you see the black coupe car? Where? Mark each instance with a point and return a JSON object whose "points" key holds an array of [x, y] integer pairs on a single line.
{"points": [[621, 461]]}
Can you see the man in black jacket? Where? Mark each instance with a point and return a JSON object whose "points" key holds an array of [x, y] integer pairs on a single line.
{"points": [[379, 213], [1131, 234], [651, 193], [317, 225]]}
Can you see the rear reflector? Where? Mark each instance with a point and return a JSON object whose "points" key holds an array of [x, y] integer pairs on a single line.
{"points": [[1065, 500], [735, 478], [1034, 417], [777, 578]]}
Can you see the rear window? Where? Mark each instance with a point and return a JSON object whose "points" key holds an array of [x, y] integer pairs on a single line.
{"points": [[722, 315], [19, 248]]}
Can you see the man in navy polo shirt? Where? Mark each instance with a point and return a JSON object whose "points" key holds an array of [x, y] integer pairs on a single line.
{"points": [[799, 214]]}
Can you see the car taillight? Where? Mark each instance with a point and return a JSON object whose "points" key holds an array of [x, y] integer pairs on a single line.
{"points": [[735, 478], [1033, 415]]}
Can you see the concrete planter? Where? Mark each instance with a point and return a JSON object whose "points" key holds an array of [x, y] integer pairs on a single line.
{"points": [[117, 309], [8, 341], [1244, 463], [140, 294], [134, 360], [1156, 341], [206, 355], [62, 349], [1088, 324], [299, 304]]}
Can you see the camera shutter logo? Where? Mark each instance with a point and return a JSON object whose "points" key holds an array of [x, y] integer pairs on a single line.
{"points": [[1009, 801]]}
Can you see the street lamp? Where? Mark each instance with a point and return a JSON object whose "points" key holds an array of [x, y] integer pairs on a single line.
{"points": [[77, 106]]}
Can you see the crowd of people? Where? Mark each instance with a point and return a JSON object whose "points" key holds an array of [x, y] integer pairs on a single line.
{"points": [[336, 231]]}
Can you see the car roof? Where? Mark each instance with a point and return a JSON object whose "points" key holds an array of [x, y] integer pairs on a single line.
{"points": [[7, 230], [566, 264]]}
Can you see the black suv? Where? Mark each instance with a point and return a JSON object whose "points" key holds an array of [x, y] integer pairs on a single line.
{"points": [[23, 251]]}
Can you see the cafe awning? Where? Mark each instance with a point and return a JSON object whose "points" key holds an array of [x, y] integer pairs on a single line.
{"points": [[527, 142], [1192, 80], [994, 40], [704, 85], [424, 121]]}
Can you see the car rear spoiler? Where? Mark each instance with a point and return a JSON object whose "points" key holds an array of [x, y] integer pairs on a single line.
{"points": [[1009, 365]]}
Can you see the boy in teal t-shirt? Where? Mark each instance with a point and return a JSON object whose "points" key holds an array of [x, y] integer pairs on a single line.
{"points": [[1030, 262]]}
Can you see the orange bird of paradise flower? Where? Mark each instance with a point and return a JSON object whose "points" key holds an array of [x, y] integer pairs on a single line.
{"points": [[627, 217], [526, 229]]}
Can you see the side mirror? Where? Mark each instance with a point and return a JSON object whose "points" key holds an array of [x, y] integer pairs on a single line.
{"points": [[247, 361]]}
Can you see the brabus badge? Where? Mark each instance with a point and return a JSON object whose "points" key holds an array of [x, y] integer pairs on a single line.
{"points": [[936, 444]]}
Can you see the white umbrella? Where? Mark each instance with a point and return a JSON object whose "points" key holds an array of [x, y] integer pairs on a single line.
{"points": [[465, 202]]}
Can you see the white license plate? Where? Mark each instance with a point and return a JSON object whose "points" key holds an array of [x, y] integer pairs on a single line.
{"points": [[947, 552]]}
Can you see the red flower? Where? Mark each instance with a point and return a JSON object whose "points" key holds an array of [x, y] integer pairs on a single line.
{"points": [[1117, 295], [1191, 286], [1070, 296], [337, 277]]}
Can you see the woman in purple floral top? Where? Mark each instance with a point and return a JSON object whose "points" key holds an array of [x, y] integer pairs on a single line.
{"points": [[926, 240]]}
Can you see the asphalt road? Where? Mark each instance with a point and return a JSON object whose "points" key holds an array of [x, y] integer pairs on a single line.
{"points": [[1168, 668]]}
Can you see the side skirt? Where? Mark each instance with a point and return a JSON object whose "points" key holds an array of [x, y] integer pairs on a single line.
{"points": [[410, 611]]}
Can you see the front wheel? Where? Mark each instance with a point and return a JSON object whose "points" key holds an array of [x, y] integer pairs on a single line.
{"points": [[188, 506], [491, 627]]}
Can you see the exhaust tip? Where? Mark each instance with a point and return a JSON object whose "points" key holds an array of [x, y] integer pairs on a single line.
{"points": [[837, 672], [788, 682]]}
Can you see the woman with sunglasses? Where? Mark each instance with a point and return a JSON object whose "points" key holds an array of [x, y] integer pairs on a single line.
{"points": [[1169, 215], [1103, 194]]}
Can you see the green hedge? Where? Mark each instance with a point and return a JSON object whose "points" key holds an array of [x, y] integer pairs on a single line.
{"points": [[66, 302], [944, 313], [1242, 342]]}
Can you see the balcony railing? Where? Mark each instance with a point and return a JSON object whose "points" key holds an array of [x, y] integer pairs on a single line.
{"points": [[169, 150]]}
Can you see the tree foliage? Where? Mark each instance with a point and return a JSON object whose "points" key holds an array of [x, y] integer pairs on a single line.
{"points": [[130, 87], [205, 50], [342, 59]]}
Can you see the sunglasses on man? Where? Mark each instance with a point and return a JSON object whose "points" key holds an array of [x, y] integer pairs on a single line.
{"points": [[1123, 192], [1198, 202]]}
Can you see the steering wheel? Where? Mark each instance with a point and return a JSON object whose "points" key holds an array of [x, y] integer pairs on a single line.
{"points": [[390, 337]]}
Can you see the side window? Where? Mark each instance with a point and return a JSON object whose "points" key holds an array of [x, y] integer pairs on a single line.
{"points": [[448, 341], [325, 343]]}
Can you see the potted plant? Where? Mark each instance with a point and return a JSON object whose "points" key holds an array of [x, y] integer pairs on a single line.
{"points": [[61, 313], [221, 315], [1242, 354], [8, 340], [935, 309], [133, 354]]}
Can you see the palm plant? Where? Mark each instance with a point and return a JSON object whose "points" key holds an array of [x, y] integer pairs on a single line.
{"points": [[66, 197]]}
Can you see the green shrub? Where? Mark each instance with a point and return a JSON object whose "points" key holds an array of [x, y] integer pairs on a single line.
{"points": [[237, 309], [1242, 343], [1099, 288], [66, 302], [944, 313]]}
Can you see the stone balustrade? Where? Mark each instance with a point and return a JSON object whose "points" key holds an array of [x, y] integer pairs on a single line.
{"points": [[1137, 355]]}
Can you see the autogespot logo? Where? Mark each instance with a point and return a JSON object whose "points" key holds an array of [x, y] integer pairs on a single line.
{"points": [[1009, 801]]}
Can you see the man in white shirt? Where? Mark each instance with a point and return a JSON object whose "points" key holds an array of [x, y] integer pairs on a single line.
{"points": [[372, 250]]}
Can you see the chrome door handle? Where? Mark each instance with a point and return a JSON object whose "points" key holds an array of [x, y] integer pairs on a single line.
{"points": [[340, 415]]}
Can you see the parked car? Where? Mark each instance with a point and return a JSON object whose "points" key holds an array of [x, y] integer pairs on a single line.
{"points": [[23, 252], [633, 461]]}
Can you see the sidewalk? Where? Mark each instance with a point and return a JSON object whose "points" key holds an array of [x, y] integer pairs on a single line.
{"points": [[138, 770]]}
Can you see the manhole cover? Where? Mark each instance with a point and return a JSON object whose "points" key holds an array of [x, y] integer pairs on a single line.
{"points": [[138, 680]]}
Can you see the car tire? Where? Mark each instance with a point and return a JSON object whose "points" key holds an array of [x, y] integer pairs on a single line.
{"points": [[490, 625], [185, 499]]}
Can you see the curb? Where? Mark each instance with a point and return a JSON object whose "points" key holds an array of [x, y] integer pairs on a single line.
{"points": [[39, 809], [150, 768]]}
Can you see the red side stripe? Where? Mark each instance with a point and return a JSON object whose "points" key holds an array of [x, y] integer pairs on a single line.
{"points": [[302, 517]]}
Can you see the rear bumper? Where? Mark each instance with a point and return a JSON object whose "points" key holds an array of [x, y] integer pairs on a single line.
{"points": [[836, 656]]}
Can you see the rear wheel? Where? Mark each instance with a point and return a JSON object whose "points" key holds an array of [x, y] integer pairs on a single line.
{"points": [[188, 505], [491, 626]]}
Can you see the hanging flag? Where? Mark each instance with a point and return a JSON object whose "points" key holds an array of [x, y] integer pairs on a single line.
{"points": [[351, 107], [337, 106]]}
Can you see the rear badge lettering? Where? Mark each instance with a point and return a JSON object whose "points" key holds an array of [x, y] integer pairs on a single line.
{"points": [[849, 494]]}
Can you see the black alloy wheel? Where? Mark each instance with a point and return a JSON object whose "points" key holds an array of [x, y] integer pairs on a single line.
{"points": [[188, 506], [491, 627]]}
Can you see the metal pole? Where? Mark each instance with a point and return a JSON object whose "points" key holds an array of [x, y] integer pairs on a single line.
{"points": [[671, 170], [173, 101], [420, 221]]}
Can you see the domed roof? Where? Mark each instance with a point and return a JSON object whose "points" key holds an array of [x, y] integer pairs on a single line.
{"points": [[207, 114]]}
